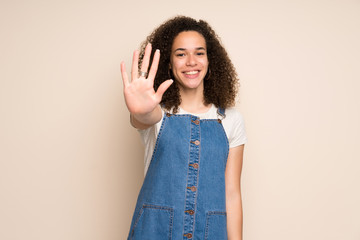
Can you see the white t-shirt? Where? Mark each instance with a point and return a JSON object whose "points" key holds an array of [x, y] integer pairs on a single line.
{"points": [[233, 125]]}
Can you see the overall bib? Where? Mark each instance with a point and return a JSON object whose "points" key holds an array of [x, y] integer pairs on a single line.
{"points": [[183, 194]]}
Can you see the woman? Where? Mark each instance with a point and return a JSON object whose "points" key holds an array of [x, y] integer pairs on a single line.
{"points": [[194, 140]]}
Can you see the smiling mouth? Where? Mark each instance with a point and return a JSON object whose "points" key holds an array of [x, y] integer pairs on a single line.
{"points": [[191, 72]]}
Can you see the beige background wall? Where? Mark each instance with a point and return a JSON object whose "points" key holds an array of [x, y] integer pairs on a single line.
{"points": [[71, 165]]}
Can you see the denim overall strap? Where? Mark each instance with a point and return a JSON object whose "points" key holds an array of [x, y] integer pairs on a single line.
{"points": [[221, 112], [183, 194]]}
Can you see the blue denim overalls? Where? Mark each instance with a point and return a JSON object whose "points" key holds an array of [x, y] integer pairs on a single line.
{"points": [[183, 194]]}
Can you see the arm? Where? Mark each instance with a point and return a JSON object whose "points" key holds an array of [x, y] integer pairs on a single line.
{"points": [[141, 99], [147, 120], [233, 193]]}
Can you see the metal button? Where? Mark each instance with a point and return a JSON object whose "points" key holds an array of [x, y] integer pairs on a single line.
{"points": [[193, 188], [191, 212], [188, 235], [195, 165], [219, 120], [196, 122], [197, 142]]}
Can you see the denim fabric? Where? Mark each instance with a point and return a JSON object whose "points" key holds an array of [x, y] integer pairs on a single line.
{"points": [[183, 194]]}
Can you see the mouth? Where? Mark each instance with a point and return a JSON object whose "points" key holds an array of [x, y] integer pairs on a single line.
{"points": [[192, 74]]}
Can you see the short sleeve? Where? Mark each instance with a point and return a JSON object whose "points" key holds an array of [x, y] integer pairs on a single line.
{"points": [[235, 128]]}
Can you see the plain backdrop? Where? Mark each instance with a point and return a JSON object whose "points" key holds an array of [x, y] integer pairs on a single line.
{"points": [[71, 165]]}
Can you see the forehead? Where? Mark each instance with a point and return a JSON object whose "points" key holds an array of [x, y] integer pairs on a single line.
{"points": [[189, 40]]}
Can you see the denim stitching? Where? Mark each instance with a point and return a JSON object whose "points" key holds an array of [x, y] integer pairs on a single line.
{"points": [[168, 209], [208, 215], [158, 138], [197, 178], [171, 223], [136, 222], [223, 131], [227, 143], [187, 173], [150, 206]]}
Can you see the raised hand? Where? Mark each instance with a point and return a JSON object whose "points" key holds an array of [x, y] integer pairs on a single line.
{"points": [[140, 96]]}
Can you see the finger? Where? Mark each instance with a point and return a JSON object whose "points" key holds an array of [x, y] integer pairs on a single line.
{"points": [[154, 65], [124, 74], [134, 67], [146, 59], [162, 88]]}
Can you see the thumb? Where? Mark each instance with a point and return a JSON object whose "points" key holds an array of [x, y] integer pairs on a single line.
{"points": [[163, 87]]}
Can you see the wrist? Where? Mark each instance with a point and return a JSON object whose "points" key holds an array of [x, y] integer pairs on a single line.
{"points": [[145, 120]]}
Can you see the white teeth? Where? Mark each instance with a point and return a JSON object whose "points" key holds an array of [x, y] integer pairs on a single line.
{"points": [[191, 73]]}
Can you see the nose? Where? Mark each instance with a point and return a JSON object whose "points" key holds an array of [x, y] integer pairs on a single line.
{"points": [[191, 61]]}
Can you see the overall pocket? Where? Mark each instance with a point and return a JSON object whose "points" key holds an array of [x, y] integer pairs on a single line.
{"points": [[216, 226], [153, 222]]}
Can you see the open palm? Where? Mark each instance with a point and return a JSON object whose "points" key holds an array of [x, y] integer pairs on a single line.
{"points": [[140, 96]]}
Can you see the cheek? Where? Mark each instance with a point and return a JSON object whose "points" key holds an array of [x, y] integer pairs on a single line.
{"points": [[176, 65], [206, 62]]}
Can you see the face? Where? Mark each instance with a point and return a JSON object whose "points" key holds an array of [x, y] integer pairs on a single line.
{"points": [[189, 61]]}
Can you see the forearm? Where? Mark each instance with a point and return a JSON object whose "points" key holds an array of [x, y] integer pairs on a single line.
{"points": [[234, 216], [143, 121]]}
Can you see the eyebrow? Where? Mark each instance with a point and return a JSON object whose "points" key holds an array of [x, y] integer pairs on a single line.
{"points": [[184, 49]]}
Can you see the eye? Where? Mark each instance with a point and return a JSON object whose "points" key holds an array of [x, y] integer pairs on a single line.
{"points": [[200, 53], [180, 54]]}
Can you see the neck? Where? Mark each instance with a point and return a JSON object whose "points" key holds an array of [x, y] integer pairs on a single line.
{"points": [[192, 100]]}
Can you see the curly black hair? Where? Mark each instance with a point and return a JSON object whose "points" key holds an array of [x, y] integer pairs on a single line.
{"points": [[220, 82]]}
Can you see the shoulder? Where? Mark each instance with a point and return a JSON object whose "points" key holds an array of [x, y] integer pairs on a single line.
{"points": [[234, 127], [233, 115]]}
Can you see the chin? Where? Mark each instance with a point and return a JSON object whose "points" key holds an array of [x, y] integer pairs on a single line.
{"points": [[191, 85]]}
